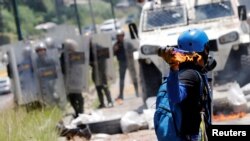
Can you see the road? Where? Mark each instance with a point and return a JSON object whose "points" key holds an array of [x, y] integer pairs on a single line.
{"points": [[6, 102], [131, 102]]}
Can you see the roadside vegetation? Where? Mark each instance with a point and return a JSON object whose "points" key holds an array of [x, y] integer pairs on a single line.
{"points": [[33, 13], [36, 125]]}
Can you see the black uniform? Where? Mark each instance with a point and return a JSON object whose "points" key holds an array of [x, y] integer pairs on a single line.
{"points": [[76, 99], [125, 60], [102, 77]]}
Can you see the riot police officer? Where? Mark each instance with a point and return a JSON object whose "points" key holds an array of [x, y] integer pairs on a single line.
{"points": [[73, 76]]}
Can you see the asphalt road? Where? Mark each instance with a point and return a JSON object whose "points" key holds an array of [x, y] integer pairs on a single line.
{"points": [[6, 101]]}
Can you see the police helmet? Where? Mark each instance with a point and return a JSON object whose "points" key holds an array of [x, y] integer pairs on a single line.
{"points": [[27, 50], [40, 46], [49, 42], [70, 44], [120, 32]]}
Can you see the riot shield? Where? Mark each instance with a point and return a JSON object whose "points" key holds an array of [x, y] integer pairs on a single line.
{"points": [[76, 58], [130, 47], [50, 79], [22, 72], [102, 59], [60, 33], [56, 36]]}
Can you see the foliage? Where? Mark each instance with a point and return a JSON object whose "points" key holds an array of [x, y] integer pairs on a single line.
{"points": [[28, 20], [38, 125], [114, 1], [101, 11], [34, 12], [8, 21], [35, 5]]}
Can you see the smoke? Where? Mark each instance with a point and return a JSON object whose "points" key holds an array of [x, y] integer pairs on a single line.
{"points": [[236, 68]]}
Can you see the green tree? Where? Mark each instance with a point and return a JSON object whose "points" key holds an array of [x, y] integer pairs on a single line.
{"points": [[28, 20], [101, 12], [8, 21], [34, 12], [114, 1], [36, 5], [6, 4]]}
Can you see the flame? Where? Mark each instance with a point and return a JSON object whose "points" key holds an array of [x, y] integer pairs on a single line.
{"points": [[222, 117], [180, 57], [172, 57]]}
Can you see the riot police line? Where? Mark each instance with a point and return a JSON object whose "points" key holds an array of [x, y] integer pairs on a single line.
{"points": [[48, 69]]}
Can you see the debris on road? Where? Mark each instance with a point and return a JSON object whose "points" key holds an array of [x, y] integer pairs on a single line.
{"points": [[228, 99], [132, 121]]}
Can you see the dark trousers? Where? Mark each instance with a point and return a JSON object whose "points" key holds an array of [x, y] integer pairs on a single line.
{"points": [[100, 90], [122, 71], [77, 102]]}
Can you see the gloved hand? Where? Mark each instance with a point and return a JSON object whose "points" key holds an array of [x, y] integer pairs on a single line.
{"points": [[169, 55]]}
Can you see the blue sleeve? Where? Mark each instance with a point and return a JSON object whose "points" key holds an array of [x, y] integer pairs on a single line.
{"points": [[177, 91]]}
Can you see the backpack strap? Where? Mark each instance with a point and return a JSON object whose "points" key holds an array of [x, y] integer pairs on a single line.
{"points": [[204, 103], [201, 83], [203, 86]]}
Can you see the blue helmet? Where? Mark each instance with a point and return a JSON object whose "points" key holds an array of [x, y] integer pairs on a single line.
{"points": [[193, 40]]}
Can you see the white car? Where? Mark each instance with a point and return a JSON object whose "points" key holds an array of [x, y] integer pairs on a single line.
{"points": [[5, 85], [109, 25]]}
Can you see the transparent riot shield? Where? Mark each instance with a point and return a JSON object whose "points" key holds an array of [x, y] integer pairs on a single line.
{"points": [[56, 36], [131, 47], [22, 72], [60, 33], [102, 59], [76, 58], [75, 63], [50, 79]]}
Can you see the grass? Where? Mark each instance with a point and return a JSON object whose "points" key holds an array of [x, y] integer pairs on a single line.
{"points": [[37, 125]]}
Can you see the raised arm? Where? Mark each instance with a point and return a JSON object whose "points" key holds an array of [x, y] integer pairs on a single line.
{"points": [[180, 84]]}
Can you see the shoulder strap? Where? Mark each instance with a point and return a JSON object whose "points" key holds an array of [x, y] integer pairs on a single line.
{"points": [[205, 97], [201, 83]]}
